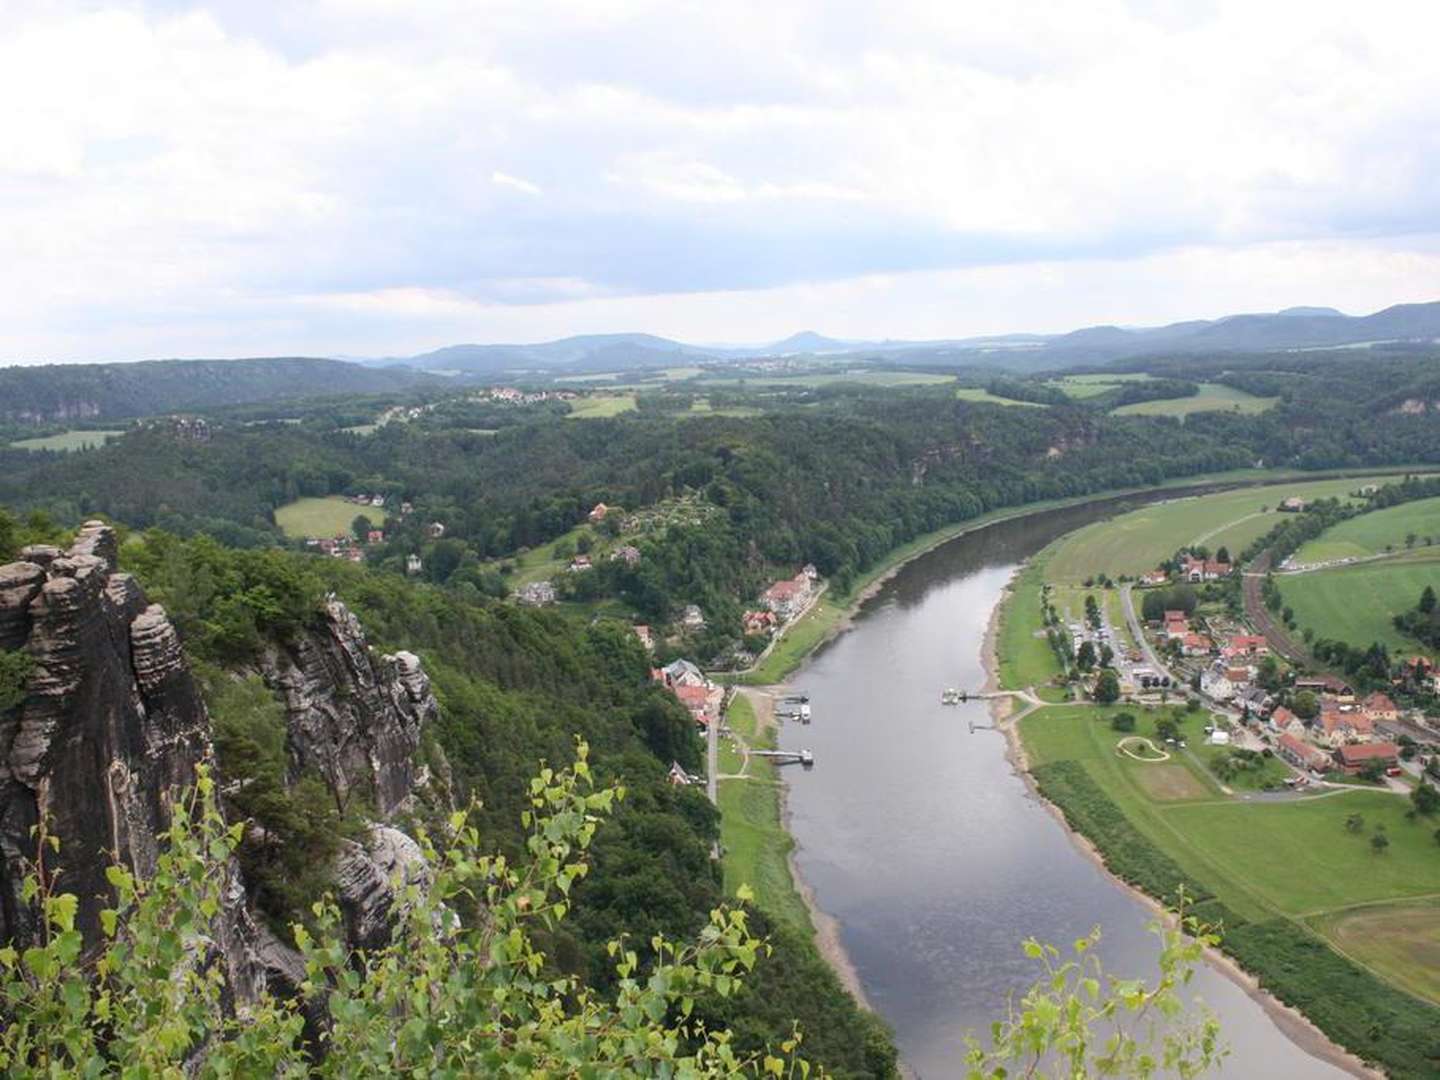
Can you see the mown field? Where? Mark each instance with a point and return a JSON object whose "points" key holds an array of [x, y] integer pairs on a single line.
{"points": [[1355, 604], [1088, 386], [1211, 398], [1135, 542], [1026, 658], [977, 393], [1402, 940], [756, 845], [66, 440], [1373, 534], [600, 405], [330, 516]]}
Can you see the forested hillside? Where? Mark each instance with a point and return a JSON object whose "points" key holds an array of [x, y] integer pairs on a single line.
{"points": [[717, 505], [78, 392]]}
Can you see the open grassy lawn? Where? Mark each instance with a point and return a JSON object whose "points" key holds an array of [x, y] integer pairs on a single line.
{"points": [[1401, 941], [978, 393], [1356, 603], [1298, 856], [1211, 398], [756, 846], [601, 405], [1267, 773], [1093, 385], [861, 376], [541, 563], [330, 516], [1024, 652], [1135, 542], [66, 440], [1371, 534]]}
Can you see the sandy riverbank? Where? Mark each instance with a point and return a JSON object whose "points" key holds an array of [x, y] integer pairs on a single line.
{"points": [[1293, 1023]]}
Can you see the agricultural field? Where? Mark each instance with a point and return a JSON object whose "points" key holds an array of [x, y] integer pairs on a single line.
{"points": [[977, 393], [1135, 542], [1401, 941], [1212, 397], [1374, 534], [330, 516], [1355, 604], [861, 377], [1088, 386], [66, 440], [601, 405]]}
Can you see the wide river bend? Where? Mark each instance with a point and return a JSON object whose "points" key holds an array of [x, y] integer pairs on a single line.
{"points": [[929, 849]]}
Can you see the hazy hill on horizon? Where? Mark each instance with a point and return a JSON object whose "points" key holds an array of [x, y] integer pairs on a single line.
{"points": [[1292, 328]]}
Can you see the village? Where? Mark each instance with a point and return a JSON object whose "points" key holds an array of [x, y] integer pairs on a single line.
{"points": [[1319, 725]]}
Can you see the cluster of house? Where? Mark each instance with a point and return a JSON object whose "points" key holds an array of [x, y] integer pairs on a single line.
{"points": [[1176, 627], [1190, 569], [1343, 736], [341, 546], [782, 601], [703, 699], [536, 594], [511, 396], [629, 554]]}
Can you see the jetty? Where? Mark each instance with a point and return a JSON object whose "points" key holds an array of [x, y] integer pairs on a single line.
{"points": [[787, 757]]}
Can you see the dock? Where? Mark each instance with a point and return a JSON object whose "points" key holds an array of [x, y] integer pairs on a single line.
{"points": [[787, 757]]}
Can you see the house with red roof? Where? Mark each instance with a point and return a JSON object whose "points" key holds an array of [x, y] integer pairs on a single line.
{"points": [[1356, 758], [1336, 728], [1302, 754], [788, 598]]}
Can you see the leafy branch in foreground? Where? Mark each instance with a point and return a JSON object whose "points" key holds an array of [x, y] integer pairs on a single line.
{"points": [[1077, 1021], [460, 989]]}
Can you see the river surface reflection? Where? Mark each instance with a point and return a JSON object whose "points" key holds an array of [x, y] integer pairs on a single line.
{"points": [[925, 844]]}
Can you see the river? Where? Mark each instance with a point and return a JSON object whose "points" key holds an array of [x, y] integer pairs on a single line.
{"points": [[929, 849]]}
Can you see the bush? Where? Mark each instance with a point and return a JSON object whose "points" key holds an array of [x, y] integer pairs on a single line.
{"points": [[1123, 722]]}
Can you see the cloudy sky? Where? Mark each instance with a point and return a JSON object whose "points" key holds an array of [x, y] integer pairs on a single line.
{"points": [[242, 177]]}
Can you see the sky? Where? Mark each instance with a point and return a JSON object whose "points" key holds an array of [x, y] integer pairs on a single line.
{"points": [[383, 177]]}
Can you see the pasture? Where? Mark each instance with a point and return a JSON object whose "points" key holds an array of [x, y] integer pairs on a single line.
{"points": [[330, 516], [1093, 385], [1401, 941], [1213, 397], [1356, 603], [1135, 542], [598, 406], [977, 393], [1373, 534], [66, 441], [812, 380]]}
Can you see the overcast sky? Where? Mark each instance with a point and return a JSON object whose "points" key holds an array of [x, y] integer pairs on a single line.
{"points": [[378, 177]]}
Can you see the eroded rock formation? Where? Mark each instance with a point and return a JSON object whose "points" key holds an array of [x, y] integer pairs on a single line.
{"points": [[113, 726]]}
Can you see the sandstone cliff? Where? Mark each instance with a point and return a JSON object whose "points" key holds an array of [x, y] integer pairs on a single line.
{"points": [[113, 726]]}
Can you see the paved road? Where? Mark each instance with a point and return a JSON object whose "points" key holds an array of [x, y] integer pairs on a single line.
{"points": [[1138, 633]]}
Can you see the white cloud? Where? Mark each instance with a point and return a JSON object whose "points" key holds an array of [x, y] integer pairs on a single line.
{"points": [[502, 179], [190, 177]]}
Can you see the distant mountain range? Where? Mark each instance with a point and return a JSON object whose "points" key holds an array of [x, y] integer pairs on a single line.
{"points": [[1293, 328]]}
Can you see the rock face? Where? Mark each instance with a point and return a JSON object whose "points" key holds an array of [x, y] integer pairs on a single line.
{"points": [[113, 726], [353, 717], [110, 732]]}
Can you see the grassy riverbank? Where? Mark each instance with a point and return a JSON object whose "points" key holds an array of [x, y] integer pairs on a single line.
{"points": [[752, 834]]}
